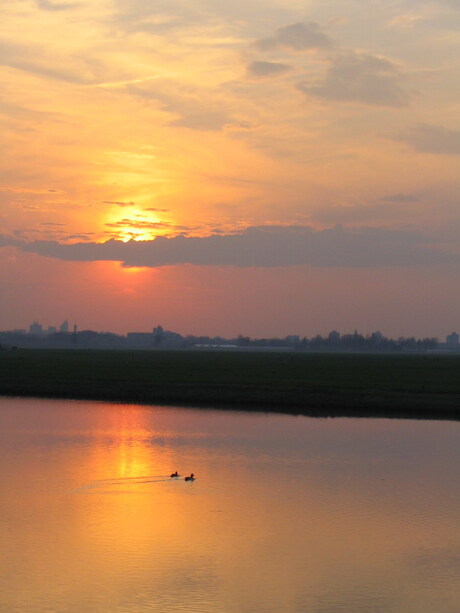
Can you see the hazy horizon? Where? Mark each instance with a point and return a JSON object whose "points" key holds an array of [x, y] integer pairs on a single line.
{"points": [[48, 328]]}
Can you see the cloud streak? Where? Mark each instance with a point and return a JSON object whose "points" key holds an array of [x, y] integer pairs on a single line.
{"points": [[197, 108], [45, 5], [264, 246], [73, 69], [262, 70], [118, 203]]}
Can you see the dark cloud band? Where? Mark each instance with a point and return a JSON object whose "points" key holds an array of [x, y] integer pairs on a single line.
{"points": [[266, 246]]}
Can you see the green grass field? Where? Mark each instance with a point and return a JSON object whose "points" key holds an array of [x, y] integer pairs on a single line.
{"points": [[313, 384]]}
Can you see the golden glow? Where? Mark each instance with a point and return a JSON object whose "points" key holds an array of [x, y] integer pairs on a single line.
{"points": [[133, 270], [134, 223], [133, 459], [174, 123], [130, 121]]}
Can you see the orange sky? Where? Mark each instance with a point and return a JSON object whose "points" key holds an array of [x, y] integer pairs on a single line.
{"points": [[272, 122]]}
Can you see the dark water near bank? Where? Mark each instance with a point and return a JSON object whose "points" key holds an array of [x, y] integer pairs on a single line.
{"points": [[287, 515]]}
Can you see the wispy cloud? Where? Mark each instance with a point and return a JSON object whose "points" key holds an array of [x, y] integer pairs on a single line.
{"points": [[138, 224], [118, 203], [46, 5], [296, 37], [196, 108], [262, 70], [69, 68]]}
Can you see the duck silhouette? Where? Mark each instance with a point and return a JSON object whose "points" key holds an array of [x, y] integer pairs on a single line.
{"points": [[176, 474], [191, 478]]}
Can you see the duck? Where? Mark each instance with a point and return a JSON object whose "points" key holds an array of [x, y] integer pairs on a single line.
{"points": [[176, 474], [191, 478]]}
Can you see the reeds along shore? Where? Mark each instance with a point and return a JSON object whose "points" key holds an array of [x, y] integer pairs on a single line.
{"points": [[417, 386]]}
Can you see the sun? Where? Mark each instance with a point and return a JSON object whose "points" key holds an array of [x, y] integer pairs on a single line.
{"points": [[135, 223], [134, 234]]}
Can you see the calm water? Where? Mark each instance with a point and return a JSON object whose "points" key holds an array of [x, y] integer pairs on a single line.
{"points": [[287, 515]]}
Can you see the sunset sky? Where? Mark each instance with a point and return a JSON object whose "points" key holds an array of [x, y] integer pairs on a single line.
{"points": [[259, 168]]}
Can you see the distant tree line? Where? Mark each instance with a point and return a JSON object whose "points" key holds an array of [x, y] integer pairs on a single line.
{"points": [[164, 339], [371, 342], [333, 342]]}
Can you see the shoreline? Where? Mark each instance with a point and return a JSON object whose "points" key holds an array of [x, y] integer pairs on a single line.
{"points": [[416, 387], [324, 407]]}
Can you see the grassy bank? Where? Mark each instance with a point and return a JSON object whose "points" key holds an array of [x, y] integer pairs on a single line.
{"points": [[321, 384]]}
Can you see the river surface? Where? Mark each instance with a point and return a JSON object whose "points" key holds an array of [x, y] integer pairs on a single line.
{"points": [[286, 515]]}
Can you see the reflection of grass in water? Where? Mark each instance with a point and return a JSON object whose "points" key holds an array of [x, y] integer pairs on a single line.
{"points": [[427, 385]]}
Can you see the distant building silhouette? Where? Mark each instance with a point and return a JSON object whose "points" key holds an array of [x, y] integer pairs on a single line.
{"points": [[35, 328], [452, 340], [158, 336], [64, 327]]}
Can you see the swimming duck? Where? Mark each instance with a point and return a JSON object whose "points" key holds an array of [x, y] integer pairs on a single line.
{"points": [[191, 478], [176, 474]]}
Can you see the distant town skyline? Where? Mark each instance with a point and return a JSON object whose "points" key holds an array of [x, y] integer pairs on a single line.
{"points": [[36, 328]]}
